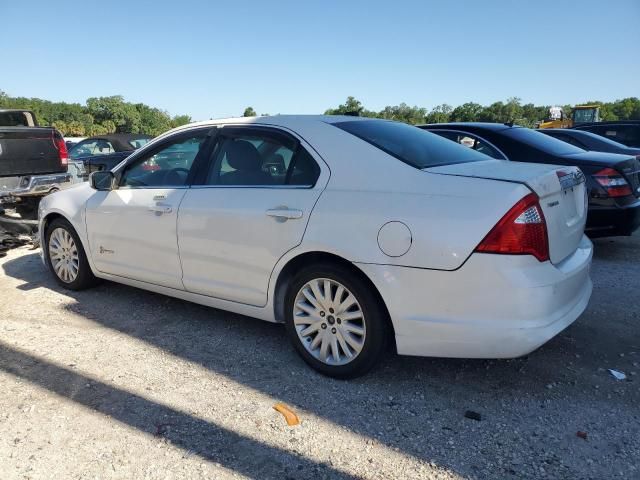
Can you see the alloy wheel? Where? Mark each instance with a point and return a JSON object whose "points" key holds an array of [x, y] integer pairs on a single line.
{"points": [[329, 321], [64, 256]]}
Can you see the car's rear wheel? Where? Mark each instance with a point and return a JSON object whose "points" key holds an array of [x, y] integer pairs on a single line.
{"points": [[66, 257], [335, 321]]}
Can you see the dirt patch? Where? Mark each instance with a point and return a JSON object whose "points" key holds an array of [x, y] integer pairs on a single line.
{"points": [[116, 382]]}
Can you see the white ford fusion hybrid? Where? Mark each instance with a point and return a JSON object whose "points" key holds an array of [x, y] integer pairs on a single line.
{"points": [[355, 233]]}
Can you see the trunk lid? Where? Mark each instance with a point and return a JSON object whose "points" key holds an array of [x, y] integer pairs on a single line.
{"points": [[627, 165], [561, 190]]}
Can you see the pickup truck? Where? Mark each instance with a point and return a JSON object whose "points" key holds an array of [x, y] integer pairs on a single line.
{"points": [[35, 158]]}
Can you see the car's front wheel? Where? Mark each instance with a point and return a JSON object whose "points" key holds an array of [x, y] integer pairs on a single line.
{"points": [[66, 257], [335, 321]]}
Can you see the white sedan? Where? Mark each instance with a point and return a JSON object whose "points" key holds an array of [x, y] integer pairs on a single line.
{"points": [[356, 233]]}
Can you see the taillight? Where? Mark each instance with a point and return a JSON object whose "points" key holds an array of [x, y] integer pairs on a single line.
{"points": [[58, 141], [522, 231], [613, 182]]}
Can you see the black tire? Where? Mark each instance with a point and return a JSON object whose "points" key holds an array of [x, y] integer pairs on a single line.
{"points": [[374, 315], [85, 277]]}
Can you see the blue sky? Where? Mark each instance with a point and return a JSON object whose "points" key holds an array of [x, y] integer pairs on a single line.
{"points": [[212, 59]]}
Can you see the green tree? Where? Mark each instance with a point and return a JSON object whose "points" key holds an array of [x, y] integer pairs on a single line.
{"points": [[61, 126], [180, 120], [96, 129], [249, 112], [75, 129], [404, 113], [467, 112], [152, 120], [440, 114], [109, 126], [124, 115]]}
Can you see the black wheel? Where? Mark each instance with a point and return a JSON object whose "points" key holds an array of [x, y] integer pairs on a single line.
{"points": [[335, 321], [66, 257]]}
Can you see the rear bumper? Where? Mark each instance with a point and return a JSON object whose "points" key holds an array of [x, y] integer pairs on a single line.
{"points": [[613, 220], [494, 306], [38, 185]]}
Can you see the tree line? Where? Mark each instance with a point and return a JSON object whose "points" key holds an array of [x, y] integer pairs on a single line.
{"points": [[512, 110], [101, 115], [98, 116]]}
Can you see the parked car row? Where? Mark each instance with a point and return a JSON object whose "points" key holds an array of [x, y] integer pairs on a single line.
{"points": [[612, 179], [457, 240]]}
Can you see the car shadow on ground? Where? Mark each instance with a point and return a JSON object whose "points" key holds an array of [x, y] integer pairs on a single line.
{"points": [[252, 458], [399, 403]]}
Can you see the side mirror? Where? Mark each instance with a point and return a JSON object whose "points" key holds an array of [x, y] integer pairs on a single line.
{"points": [[102, 180]]}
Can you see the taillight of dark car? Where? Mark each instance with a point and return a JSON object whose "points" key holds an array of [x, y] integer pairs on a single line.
{"points": [[61, 146], [613, 182]]}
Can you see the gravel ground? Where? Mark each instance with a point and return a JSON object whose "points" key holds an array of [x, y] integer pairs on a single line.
{"points": [[116, 382]]}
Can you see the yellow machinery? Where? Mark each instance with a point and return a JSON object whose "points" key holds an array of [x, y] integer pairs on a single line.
{"points": [[579, 114]]}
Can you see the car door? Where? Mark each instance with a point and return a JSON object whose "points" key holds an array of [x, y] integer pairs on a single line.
{"points": [[132, 229], [251, 206]]}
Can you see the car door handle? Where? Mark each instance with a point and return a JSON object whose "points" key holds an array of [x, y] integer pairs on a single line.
{"points": [[285, 213], [160, 208]]}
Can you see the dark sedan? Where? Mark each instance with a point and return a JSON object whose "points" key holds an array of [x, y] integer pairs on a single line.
{"points": [[622, 131], [589, 141], [613, 180], [103, 152]]}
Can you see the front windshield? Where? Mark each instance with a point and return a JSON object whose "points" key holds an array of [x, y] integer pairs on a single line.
{"points": [[585, 116], [542, 142]]}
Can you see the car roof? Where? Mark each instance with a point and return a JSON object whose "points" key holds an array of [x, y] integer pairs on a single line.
{"points": [[284, 120], [293, 122], [480, 125]]}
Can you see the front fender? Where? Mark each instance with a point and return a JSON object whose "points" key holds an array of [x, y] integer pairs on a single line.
{"points": [[69, 204]]}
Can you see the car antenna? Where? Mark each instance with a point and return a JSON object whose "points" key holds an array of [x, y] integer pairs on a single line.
{"points": [[353, 113]]}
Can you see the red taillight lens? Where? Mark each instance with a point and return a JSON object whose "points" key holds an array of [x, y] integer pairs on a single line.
{"points": [[613, 182], [522, 231], [58, 141]]}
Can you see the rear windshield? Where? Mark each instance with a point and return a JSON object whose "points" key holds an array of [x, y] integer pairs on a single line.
{"points": [[13, 119], [597, 138], [418, 148], [542, 142]]}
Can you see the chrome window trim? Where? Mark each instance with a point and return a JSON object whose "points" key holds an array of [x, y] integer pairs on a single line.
{"points": [[268, 187], [471, 135], [322, 164]]}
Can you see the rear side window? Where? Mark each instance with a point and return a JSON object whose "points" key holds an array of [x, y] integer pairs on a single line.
{"points": [[416, 147], [569, 139], [471, 141], [255, 159]]}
